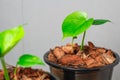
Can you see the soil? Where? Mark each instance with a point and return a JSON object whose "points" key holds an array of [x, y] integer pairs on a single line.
{"points": [[90, 57], [26, 74]]}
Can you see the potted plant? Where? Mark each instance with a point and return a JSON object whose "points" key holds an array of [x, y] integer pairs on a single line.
{"points": [[22, 71], [81, 62]]}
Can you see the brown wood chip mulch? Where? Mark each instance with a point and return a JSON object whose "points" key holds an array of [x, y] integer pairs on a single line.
{"points": [[26, 74], [71, 55]]}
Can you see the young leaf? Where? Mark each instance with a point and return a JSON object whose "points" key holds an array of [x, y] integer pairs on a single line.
{"points": [[84, 26], [75, 24], [9, 38], [100, 21], [28, 60], [72, 22]]}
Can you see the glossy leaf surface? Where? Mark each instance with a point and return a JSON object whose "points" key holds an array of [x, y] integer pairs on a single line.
{"points": [[75, 24], [28, 60], [9, 38], [84, 26]]}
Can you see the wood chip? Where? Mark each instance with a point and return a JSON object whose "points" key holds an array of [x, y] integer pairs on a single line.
{"points": [[108, 59], [101, 50], [89, 61], [51, 57], [68, 49], [58, 52], [71, 60], [91, 45]]}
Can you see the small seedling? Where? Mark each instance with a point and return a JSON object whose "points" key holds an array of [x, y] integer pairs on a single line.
{"points": [[8, 39], [77, 23], [27, 60]]}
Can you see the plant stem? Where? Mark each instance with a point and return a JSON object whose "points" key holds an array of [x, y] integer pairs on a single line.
{"points": [[82, 44], [73, 40], [4, 68], [15, 72]]}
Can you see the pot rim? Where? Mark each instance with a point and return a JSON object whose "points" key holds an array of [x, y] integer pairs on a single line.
{"points": [[81, 69]]}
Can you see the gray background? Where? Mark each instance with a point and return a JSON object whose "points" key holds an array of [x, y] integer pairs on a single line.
{"points": [[44, 18]]}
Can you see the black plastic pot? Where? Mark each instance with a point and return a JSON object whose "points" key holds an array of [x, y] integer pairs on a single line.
{"points": [[66, 73]]}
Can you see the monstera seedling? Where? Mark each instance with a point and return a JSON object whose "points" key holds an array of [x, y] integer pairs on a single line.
{"points": [[77, 23], [8, 39], [27, 60]]}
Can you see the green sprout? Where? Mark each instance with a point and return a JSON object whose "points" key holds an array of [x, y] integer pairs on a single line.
{"points": [[27, 60], [77, 23], [8, 39]]}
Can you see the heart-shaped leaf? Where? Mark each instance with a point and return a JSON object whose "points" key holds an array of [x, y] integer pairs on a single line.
{"points": [[84, 26], [75, 24], [9, 38], [28, 60], [100, 21]]}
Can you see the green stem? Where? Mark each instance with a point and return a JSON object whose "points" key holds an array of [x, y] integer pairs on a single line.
{"points": [[72, 40], [4, 68], [82, 44], [15, 72]]}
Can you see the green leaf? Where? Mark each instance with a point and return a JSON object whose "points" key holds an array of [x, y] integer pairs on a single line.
{"points": [[100, 21], [9, 38], [75, 24], [28, 60], [82, 28]]}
